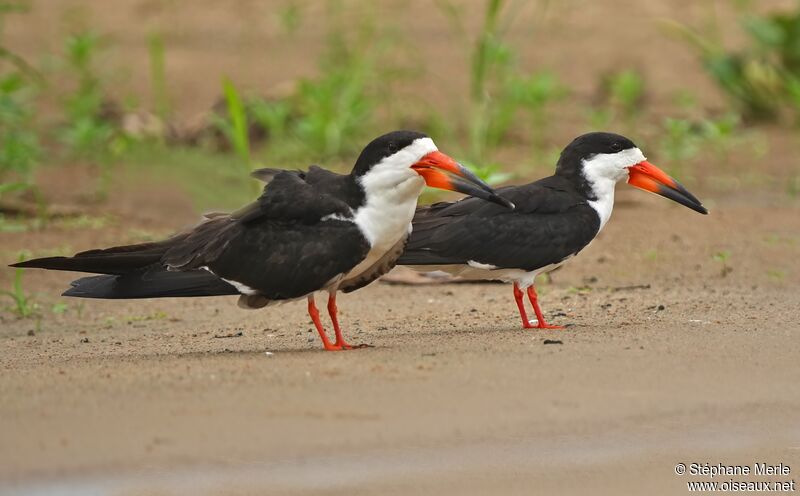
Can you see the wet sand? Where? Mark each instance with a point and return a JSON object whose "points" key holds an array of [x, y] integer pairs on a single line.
{"points": [[664, 360]]}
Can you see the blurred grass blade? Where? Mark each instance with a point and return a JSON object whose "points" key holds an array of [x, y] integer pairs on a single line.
{"points": [[158, 78], [239, 129], [238, 122]]}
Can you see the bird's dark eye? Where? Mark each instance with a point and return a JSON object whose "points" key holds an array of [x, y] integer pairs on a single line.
{"points": [[616, 147], [392, 148]]}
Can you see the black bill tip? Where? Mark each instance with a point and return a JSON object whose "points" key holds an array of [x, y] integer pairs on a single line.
{"points": [[679, 194]]}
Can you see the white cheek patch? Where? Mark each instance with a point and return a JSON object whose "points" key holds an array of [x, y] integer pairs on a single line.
{"points": [[602, 172], [408, 156], [416, 150], [396, 169], [612, 166]]}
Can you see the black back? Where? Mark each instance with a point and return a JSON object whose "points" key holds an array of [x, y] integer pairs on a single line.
{"points": [[283, 245], [551, 222]]}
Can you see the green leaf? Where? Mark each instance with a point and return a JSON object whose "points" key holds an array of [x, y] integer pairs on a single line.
{"points": [[9, 187], [238, 119], [765, 30]]}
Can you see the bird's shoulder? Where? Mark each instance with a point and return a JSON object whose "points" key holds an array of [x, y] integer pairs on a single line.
{"points": [[295, 196], [551, 195], [319, 181], [288, 205], [550, 222]]}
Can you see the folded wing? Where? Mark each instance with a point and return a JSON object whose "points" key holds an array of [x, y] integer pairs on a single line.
{"points": [[527, 238], [290, 241]]}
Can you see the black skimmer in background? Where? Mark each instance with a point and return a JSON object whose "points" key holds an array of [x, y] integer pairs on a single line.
{"points": [[554, 219], [308, 231]]}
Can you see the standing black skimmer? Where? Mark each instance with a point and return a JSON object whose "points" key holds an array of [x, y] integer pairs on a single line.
{"points": [[308, 231], [554, 219]]}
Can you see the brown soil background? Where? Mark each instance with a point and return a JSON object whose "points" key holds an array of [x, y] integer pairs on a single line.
{"points": [[142, 397]]}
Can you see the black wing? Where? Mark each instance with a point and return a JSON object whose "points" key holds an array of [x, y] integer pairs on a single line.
{"points": [[289, 242], [550, 223], [339, 186], [293, 240]]}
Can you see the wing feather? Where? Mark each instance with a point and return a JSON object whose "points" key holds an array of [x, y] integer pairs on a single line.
{"points": [[533, 235]]}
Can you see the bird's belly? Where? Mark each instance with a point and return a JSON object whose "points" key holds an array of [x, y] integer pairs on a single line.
{"points": [[384, 223], [377, 255], [372, 257], [522, 277]]}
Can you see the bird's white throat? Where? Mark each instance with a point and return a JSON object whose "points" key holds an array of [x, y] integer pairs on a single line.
{"points": [[391, 189], [386, 214], [603, 171], [385, 217]]}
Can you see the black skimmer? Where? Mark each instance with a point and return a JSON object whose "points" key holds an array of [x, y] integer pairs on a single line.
{"points": [[308, 231], [554, 218]]}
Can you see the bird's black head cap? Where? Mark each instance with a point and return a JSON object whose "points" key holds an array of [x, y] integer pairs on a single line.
{"points": [[586, 146], [382, 147]]}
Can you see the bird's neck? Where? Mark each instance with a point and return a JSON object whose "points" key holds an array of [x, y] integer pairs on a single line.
{"points": [[385, 217], [601, 197]]}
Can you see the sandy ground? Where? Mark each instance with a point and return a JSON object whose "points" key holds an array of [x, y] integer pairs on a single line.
{"points": [[664, 361]]}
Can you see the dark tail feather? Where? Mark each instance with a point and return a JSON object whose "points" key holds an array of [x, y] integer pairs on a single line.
{"points": [[422, 257], [118, 260], [157, 283]]}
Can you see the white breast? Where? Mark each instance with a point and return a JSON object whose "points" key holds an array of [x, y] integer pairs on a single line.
{"points": [[385, 218], [603, 205]]}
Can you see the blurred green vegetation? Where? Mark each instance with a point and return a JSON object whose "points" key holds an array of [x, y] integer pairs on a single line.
{"points": [[761, 78], [503, 131], [327, 118], [501, 93], [20, 145], [23, 303]]}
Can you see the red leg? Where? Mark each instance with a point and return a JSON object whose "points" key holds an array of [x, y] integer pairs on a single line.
{"points": [[539, 316], [332, 311], [521, 305], [314, 313]]}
